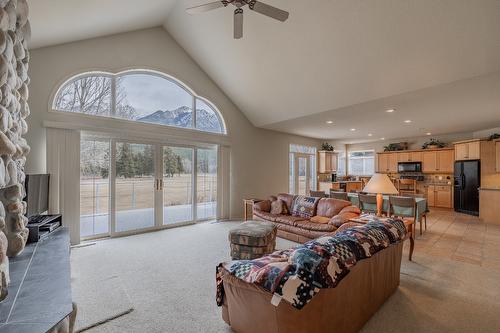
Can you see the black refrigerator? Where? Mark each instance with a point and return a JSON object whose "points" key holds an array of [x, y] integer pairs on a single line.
{"points": [[466, 187]]}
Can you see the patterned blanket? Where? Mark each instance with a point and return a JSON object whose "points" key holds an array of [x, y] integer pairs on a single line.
{"points": [[297, 274]]}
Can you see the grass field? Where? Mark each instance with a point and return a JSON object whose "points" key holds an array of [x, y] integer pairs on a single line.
{"points": [[138, 193]]}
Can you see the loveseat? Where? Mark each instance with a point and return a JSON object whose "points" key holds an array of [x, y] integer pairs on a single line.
{"points": [[300, 218]]}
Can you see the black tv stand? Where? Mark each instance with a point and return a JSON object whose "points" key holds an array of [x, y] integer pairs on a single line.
{"points": [[40, 226]]}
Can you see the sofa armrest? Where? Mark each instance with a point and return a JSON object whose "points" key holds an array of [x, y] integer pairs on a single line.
{"points": [[351, 209], [348, 225], [347, 213], [263, 206]]}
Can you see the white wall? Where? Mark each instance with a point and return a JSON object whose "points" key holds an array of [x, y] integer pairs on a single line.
{"points": [[259, 158]]}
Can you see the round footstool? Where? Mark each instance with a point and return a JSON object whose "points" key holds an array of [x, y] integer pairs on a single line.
{"points": [[252, 240]]}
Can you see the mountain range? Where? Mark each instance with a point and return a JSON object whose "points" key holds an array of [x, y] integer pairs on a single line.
{"points": [[183, 117]]}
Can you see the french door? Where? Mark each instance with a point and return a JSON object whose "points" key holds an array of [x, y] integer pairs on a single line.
{"points": [[302, 173], [129, 186]]}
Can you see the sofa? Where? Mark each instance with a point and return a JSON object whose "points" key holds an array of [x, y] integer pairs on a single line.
{"points": [[302, 218], [346, 308]]}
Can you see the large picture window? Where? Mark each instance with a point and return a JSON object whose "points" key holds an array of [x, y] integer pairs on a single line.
{"points": [[361, 163], [142, 96]]}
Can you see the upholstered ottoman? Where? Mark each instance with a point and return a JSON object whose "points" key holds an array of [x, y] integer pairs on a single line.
{"points": [[252, 239]]}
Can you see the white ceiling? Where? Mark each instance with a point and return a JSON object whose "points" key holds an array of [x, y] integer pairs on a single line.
{"points": [[61, 21], [340, 60]]}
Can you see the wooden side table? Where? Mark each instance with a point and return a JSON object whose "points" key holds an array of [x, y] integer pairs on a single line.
{"points": [[248, 208]]}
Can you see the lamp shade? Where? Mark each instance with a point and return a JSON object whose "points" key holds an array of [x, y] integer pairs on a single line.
{"points": [[380, 184]]}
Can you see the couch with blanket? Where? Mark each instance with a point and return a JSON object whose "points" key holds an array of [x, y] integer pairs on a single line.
{"points": [[331, 284], [300, 218]]}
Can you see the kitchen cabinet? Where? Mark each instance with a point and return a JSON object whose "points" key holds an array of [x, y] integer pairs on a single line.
{"points": [[497, 148], [383, 163], [388, 163], [347, 186], [327, 162], [439, 196], [429, 162], [414, 156], [468, 150], [393, 163], [438, 161]]}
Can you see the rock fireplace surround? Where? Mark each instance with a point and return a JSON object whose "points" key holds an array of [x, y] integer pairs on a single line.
{"points": [[15, 32]]}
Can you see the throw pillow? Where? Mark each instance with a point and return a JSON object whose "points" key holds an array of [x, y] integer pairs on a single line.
{"points": [[320, 219], [278, 207], [304, 206]]}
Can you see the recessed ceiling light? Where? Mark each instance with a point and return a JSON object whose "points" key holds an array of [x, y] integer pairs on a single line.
{"points": [[369, 134], [429, 133], [390, 111], [329, 121], [353, 129], [407, 121], [382, 138]]}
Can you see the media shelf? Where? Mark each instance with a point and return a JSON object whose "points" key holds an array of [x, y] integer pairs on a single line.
{"points": [[40, 226]]}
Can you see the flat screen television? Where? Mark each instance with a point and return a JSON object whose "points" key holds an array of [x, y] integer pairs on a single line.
{"points": [[37, 194]]}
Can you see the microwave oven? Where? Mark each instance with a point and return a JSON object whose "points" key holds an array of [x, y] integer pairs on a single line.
{"points": [[410, 167]]}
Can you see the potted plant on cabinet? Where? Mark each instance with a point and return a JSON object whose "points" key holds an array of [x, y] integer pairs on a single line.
{"points": [[433, 144]]}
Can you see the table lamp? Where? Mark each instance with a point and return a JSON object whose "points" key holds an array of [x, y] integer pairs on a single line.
{"points": [[380, 184]]}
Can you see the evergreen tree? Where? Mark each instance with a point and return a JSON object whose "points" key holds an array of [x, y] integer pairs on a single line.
{"points": [[125, 166]]}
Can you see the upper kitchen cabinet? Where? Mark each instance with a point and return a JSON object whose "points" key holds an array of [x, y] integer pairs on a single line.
{"points": [[438, 161], [414, 156], [387, 162], [327, 161], [468, 150]]}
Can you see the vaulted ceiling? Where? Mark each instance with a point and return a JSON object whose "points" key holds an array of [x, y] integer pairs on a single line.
{"points": [[437, 63]]}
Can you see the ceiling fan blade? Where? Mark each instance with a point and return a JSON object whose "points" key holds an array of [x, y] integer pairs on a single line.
{"points": [[206, 7], [238, 23], [268, 10]]}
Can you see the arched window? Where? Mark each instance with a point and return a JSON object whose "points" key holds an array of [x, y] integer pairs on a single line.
{"points": [[142, 96]]}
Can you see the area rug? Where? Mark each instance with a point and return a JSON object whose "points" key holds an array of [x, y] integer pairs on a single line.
{"points": [[97, 291]]}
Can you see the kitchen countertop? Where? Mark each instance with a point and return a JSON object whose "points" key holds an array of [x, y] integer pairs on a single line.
{"points": [[489, 188], [347, 181]]}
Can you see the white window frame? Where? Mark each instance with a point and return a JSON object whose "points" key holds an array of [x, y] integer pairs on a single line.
{"points": [[364, 158], [113, 76]]}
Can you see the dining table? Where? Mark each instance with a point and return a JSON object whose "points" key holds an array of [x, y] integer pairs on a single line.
{"points": [[421, 204]]}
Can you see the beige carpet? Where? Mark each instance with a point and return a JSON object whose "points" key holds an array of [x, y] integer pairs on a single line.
{"points": [[96, 289], [169, 277]]}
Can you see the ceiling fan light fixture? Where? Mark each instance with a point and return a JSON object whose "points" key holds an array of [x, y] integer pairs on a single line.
{"points": [[253, 5]]}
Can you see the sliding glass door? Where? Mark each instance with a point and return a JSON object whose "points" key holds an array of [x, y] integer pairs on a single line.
{"points": [[177, 185], [128, 187], [134, 186], [206, 196], [94, 188]]}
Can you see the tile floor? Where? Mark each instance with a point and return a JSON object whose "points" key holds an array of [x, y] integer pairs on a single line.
{"points": [[460, 237]]}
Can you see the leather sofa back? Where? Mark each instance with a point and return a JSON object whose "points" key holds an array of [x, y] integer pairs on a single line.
{"points": [[330, 207], [287, 199]]}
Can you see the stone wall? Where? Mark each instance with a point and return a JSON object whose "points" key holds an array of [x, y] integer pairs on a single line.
{"points": [[14, 57]]}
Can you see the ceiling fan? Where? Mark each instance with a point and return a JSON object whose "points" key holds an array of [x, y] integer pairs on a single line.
{"points": [[256, 6]]}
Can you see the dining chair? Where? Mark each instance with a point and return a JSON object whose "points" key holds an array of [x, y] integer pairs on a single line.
{"points": [[407, 186], [424, 213], [406, 207], [339, 195], [317, 194], [368, 203]]}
